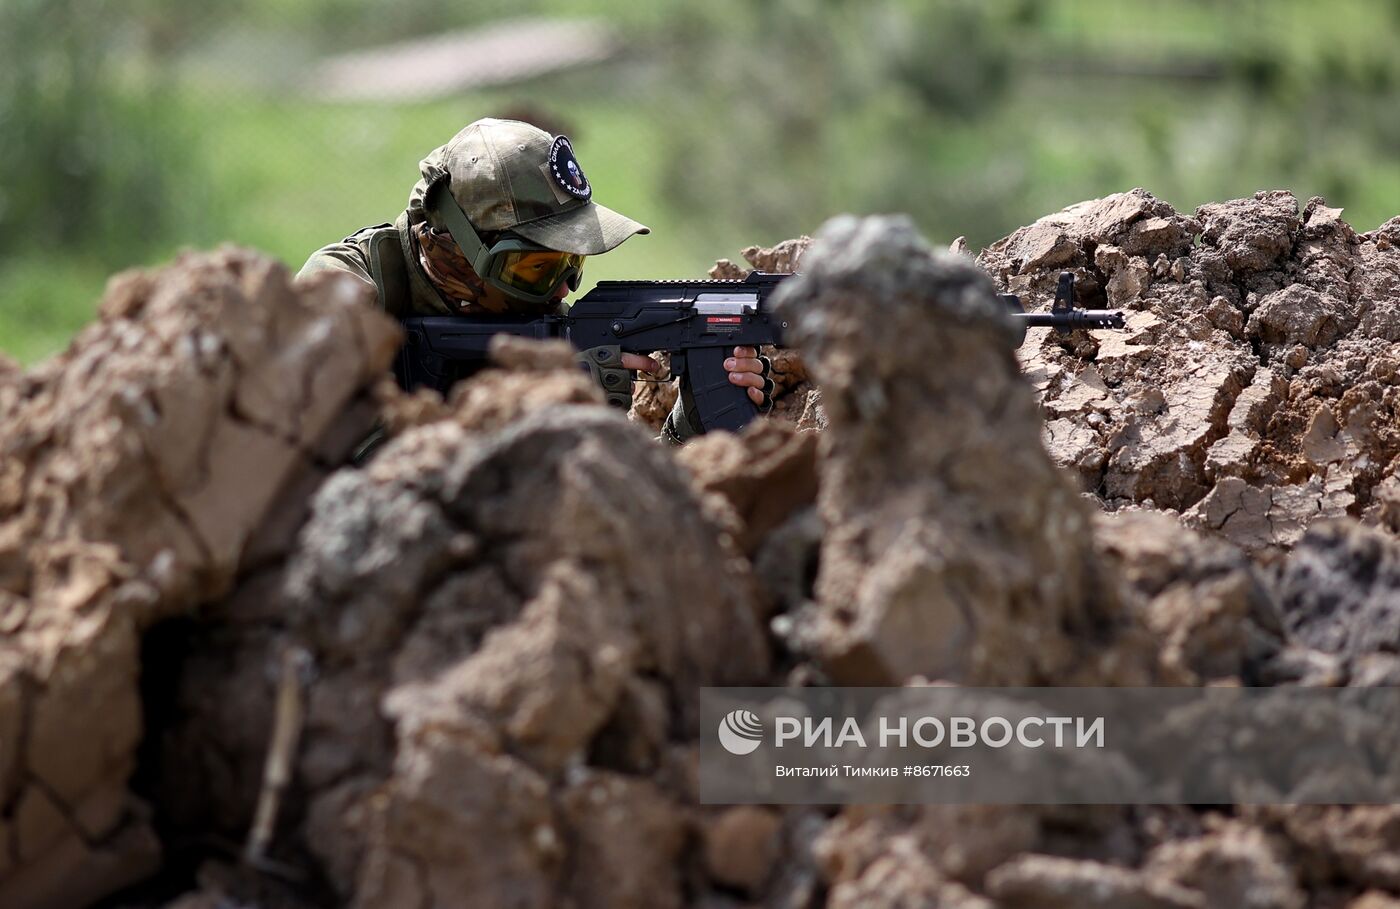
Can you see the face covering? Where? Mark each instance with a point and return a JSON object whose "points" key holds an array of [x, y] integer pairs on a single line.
{"points": [[447, 268]]}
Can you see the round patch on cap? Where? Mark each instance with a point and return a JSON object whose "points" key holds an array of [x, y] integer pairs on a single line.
{"points": [[564, 166]]}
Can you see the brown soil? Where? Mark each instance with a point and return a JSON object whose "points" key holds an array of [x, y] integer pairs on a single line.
{"points": [[1257, 388], [494, 630]]}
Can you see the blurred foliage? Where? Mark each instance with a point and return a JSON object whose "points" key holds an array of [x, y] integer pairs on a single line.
{"points": [[976, 117], [131, 128], [91, 154], [816, 108]]}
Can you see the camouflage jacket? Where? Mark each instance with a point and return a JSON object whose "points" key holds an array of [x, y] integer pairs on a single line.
{"points": [[383, 256]]}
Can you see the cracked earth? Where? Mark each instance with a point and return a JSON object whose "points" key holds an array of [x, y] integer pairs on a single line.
{"points": [[510, 607]]}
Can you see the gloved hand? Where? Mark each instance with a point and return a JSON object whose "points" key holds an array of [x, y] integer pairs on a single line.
{"points": [[611, 369], [748, 369]]}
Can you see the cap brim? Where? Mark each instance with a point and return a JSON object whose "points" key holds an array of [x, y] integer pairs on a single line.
{"points": [[587, 230]]}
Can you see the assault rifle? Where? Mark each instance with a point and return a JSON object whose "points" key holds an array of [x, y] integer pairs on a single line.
{"points": [[698, 323]]}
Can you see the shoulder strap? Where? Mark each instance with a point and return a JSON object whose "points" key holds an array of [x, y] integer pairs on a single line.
{"points": [[387, 269]]}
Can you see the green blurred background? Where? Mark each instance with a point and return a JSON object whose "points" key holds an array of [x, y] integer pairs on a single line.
{"points": [[132, 128]]}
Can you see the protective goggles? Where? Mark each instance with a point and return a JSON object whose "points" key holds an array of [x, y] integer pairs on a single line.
{"points": [[515, 266], [532, 270]]}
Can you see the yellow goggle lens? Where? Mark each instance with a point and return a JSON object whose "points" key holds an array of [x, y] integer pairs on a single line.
{"points": [[537, 272]]}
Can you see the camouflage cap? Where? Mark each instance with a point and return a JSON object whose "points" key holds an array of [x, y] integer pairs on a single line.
{"points": [[508, 175]]}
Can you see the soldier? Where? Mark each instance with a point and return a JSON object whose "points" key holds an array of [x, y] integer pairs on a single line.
{"points": [[501, 222]]}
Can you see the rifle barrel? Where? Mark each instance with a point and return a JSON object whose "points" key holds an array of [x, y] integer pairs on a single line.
{"points": [[1075, 318]]}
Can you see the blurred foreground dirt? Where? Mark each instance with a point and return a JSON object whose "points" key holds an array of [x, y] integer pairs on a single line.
{"points": [[496, 628]]}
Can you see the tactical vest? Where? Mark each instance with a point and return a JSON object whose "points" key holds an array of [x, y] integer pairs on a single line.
{"points": [[389, 269]]}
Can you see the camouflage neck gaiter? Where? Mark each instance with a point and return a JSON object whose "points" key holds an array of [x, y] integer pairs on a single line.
{"points": [[449, 270]]}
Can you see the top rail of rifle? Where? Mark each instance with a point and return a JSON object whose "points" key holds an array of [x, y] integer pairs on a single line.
{"points": [[728, 282]]}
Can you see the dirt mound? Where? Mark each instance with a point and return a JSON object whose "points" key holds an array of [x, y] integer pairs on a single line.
{"points": [[140, 468], [526, 651], [943, 513], [1255, 390], [503, 666], [1339, 594], [470, 666]]}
